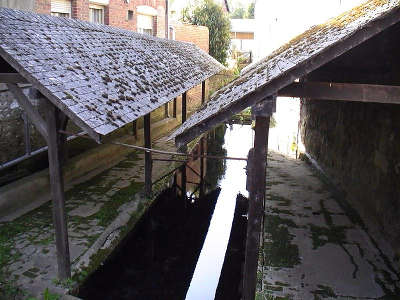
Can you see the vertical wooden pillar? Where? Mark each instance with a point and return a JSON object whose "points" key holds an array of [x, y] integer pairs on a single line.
{"points": [[202, 140], [203, 92], [57, 191], [174, 108], [148, 164], [166, 110], [184, 112], [27, 134], [257, 166], [134, 129]]}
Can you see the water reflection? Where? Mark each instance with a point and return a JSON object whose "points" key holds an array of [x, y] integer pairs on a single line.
{"points": [[237, 142]]}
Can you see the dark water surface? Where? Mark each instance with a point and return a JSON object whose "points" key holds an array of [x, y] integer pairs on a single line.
{"points": [[179, 249]]}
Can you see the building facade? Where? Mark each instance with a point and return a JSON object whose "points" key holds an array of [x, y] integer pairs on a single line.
{"points": [[144, 16]]}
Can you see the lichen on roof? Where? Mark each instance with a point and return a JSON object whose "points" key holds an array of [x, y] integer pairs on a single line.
{"points": [[286, 58], [104, 77]]}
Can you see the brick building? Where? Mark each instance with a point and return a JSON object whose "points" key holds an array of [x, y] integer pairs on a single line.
{"points": [[144, 16]]}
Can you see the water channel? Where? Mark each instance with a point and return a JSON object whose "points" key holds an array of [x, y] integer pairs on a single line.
{"points": [[178, 249]]}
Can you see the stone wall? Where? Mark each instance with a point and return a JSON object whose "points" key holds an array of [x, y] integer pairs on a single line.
{"points": [[358, 144], [12, 141]]}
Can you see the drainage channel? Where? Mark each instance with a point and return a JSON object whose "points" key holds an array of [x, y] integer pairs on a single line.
{"points": [[183, 247]]}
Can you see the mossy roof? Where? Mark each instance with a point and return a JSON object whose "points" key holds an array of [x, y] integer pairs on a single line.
{"points": [[285, 61], [101, 77]]}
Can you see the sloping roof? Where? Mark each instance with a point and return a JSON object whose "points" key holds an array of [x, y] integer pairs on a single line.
{"points": [[243, 25], [101, 77], [317, 46]]}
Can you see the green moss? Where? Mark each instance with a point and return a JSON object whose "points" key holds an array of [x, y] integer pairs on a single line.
{"points": [[278, 250], [109, 211], [324, 292], [323, 235], [283, 201]]}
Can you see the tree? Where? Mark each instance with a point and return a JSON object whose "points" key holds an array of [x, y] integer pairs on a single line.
{"points": [[208, 13], [250, 11], [238, 13]]}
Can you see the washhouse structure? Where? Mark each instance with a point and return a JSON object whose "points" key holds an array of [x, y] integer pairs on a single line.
{"points": [[99, 77], [339, 45]]}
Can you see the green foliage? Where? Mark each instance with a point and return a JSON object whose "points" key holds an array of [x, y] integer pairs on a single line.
{"points": [[50, 296], [250, 11], [241, 12], [208, 13], [238, 13]]}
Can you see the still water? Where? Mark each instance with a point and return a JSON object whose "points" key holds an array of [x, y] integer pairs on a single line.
{"points": [[177, 250]]}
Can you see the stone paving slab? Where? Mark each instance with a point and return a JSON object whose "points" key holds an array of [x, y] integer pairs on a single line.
{"points": [[27, 245], [315, 246]]}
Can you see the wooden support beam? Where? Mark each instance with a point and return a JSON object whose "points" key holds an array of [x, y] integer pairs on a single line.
{"points": [[203, 92], [174, 109], [257, 169], [148, 164], [256, 185], [12, 78], [32, 113], [166, 110], [184, 112], [343, 92], [134, 129], [27, 134], [57, 192], [202, 169]]}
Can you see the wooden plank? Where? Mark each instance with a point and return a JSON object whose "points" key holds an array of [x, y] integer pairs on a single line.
{"points": [[148, 164], [289, 77], [57, 193], [174, 109], [257, 187], [343, 92], [184, 111], [12, 78], [203, 92], [32, 113]]}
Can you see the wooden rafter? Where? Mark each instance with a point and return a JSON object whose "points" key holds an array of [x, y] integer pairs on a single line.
{"points": [[12, 78], [343, 92]]}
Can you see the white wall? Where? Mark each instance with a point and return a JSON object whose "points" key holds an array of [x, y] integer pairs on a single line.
{"points": [[279, 21], [18, 4]]}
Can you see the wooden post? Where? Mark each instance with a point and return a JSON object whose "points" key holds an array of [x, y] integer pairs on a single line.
{"points": [[166, 110], [174, 108], [148, 164], [134, 129], [257, 165], [27, 134], [203, 92], [57, 191], [202, 141], [184, 112]]}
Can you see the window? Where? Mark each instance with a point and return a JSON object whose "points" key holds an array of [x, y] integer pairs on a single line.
{"points": [[96, 14], [145, 24], [64, 15], [130, 15], [61, 8]]}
